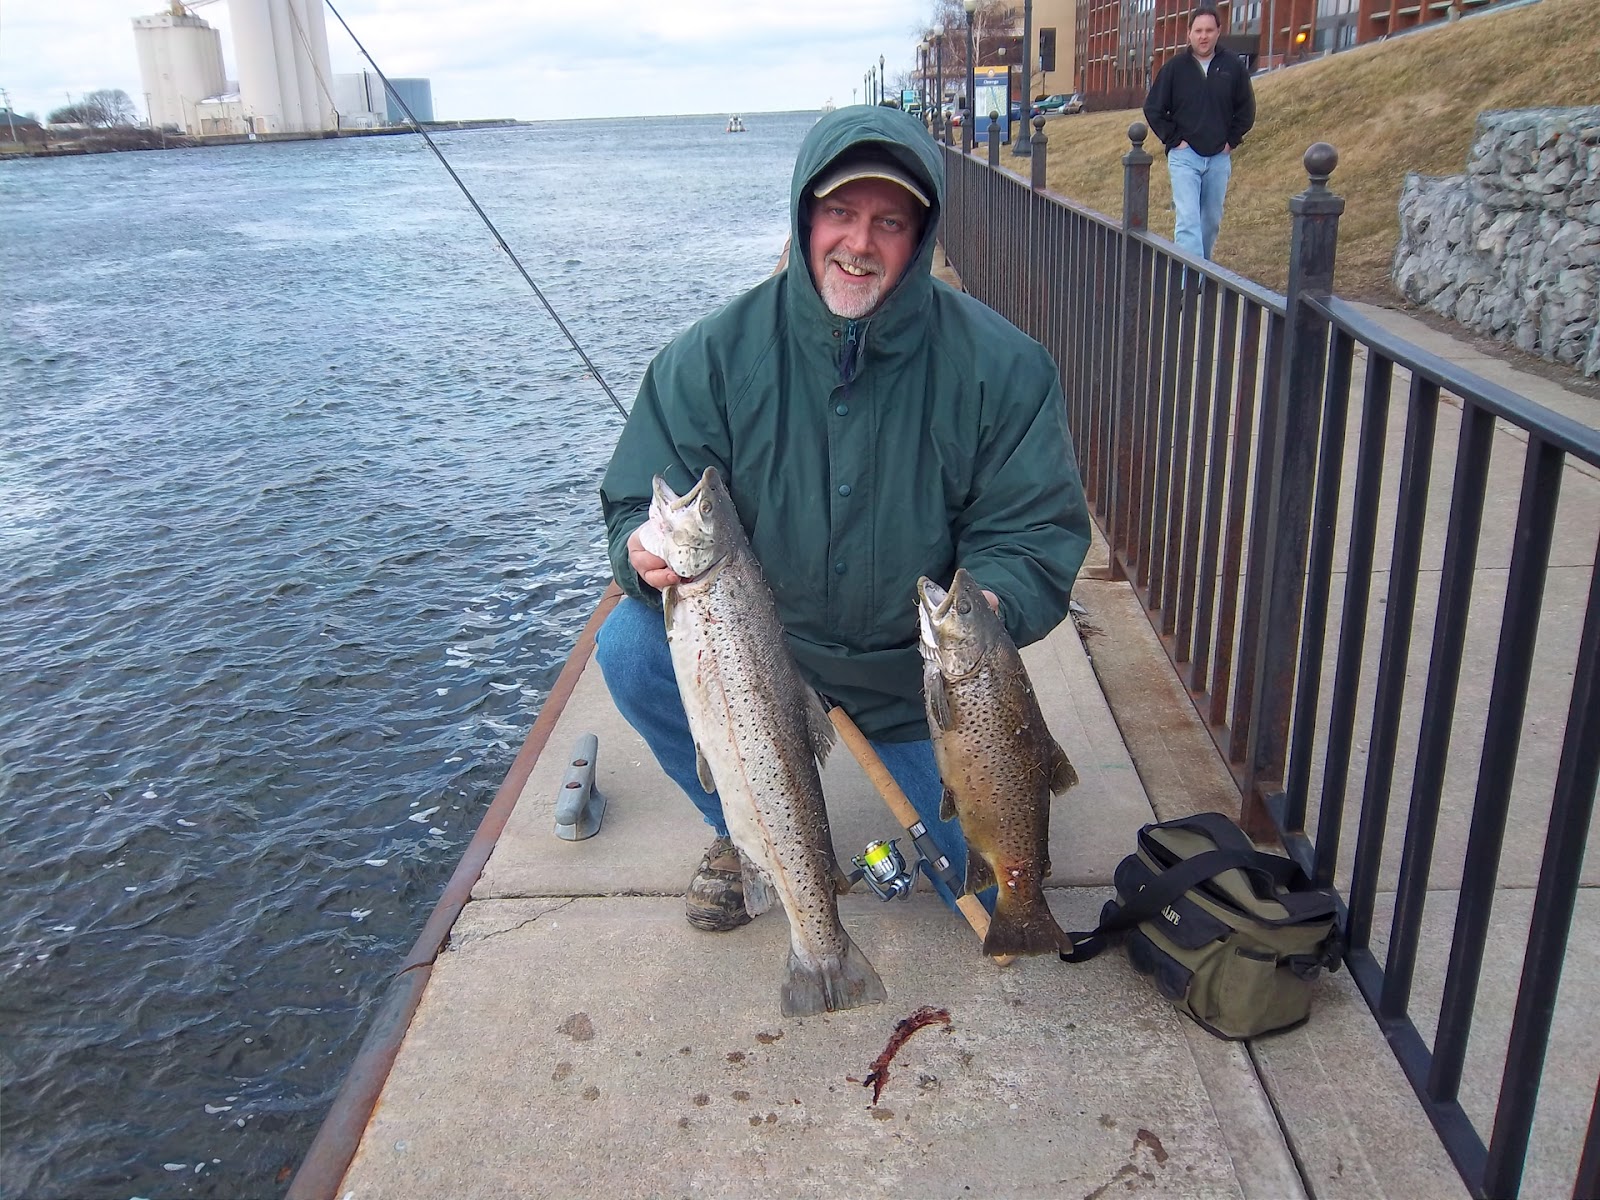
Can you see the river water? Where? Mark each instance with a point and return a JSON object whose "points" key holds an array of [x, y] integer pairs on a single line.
{"points": [[298, 522]]}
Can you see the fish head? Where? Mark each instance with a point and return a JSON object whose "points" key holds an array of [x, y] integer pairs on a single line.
{"points": [[957, 628], [694, 532]]}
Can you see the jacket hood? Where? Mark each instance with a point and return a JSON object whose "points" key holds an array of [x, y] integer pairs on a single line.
{"points": [[847, 132]]}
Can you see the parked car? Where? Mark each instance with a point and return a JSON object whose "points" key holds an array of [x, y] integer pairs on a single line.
{"points": [[1050, 104], [1074, 103]]}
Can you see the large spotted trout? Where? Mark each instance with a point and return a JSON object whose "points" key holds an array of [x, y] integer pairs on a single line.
{"points": [[759, 732], [999, 763]]}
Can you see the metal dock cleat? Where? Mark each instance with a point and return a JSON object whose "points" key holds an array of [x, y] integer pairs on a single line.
{"points": [[579, 807]]}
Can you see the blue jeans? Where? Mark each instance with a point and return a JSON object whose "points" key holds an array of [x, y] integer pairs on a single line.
{"points": [[1199, 186], [631, 648]]}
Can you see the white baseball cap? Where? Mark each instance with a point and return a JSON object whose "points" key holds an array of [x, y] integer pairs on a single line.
{"points": [[872, 168]]}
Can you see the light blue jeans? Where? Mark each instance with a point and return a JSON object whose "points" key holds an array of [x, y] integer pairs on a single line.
{"points": [[1199, 186], [631, 648]]}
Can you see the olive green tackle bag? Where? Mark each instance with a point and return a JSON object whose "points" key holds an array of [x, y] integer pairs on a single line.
{"points": [[1233, 936]]}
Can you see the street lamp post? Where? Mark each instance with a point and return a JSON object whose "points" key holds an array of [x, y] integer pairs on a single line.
{"points": [[882, 81], [1022, 143], [969, 122], [1000, 53], [938, 81], [922, 77]]}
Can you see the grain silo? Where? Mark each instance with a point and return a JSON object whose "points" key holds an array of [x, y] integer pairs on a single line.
{"points": [[180, 62], [285, 80], [418, 95]]}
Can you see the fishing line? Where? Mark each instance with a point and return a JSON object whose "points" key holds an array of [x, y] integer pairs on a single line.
{"points": [[477, 208]]}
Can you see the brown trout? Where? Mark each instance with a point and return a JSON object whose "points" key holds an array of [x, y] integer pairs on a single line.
{"points": [[998, 761], [759, 732]]}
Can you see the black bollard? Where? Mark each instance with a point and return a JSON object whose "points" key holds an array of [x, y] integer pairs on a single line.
{"points": [[994, 138]]}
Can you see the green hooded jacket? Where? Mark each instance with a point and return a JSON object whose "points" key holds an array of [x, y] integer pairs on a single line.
{"points": [[861, 454]]}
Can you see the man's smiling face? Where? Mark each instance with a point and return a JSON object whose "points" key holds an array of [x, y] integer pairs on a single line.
{"points": [[863, 235]]}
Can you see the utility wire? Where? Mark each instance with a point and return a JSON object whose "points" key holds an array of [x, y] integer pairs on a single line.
{"points": [[417, 125]]}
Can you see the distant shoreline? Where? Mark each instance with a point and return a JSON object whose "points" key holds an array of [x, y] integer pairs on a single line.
{"points": [[119, 140], [115, 141]]}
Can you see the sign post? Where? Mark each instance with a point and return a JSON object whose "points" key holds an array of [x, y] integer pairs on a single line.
{"points": [[993, 87]]}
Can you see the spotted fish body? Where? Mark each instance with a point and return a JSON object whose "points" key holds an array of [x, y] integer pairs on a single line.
{"points": [[759, 732], [999, 763]]}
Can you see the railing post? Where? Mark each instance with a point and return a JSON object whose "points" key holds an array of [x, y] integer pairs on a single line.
{"points": [[1119, 506], [1136, 182], [1040, 145], [994, 138], [1280, 525]]}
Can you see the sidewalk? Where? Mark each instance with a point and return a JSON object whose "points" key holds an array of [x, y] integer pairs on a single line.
{"points": [[577, 1037]]}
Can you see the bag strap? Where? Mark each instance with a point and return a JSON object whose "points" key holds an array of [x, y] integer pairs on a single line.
{"points": [[1291, 886], [1156, 895]]}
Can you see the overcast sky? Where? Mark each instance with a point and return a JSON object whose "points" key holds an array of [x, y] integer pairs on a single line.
{"points": [[527, 59]]}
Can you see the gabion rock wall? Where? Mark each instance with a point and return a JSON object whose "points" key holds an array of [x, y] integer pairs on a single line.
{"points": [[1512, 248]]}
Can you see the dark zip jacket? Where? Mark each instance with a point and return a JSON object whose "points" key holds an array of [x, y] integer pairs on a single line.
{"points": [[1209, 109], [862, 454]]}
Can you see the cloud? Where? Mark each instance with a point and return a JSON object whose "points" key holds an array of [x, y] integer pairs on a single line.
{"points": [[532, 61]]}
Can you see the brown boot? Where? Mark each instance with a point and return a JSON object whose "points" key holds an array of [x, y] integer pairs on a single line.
{"points": [[715, 899]]}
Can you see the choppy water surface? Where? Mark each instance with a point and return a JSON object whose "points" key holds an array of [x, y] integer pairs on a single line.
{"points": [[297, 525]]}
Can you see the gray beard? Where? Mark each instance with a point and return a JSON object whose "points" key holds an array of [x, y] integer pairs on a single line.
{"points": [[852, 302]]}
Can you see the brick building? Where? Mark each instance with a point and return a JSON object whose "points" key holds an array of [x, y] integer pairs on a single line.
{"points": [[1121, 44]]}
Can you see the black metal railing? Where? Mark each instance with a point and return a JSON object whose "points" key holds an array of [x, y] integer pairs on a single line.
{"points": [[1212, 420]]}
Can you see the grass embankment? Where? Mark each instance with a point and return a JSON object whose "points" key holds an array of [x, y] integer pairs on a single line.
{"points": [[1390, 107]]}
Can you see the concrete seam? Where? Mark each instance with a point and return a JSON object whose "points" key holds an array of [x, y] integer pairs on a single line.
{"points": [[1283, 1126], [1083, 625]]}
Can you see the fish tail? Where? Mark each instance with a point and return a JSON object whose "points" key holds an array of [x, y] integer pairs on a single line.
{"points": [[1023, 927], [847, 981]]}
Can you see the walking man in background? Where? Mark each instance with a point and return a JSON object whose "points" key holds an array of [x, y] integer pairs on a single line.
{"points": [[872, 424], [1201, 106]]}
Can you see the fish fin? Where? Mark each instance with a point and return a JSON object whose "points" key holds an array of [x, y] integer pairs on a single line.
{"points": [[947, 805], [818, 726], [1023, 927], [1063, 774], [847, 981], [980, 874], [758, 891], [938, 700], [703, 769]]}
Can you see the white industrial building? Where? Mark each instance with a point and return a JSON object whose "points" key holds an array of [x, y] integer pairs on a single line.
{"points": [[361, 100], [285, 80], [180, 61]]}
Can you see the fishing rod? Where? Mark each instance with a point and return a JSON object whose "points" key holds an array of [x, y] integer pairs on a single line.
{"points": [[477, 208]]}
